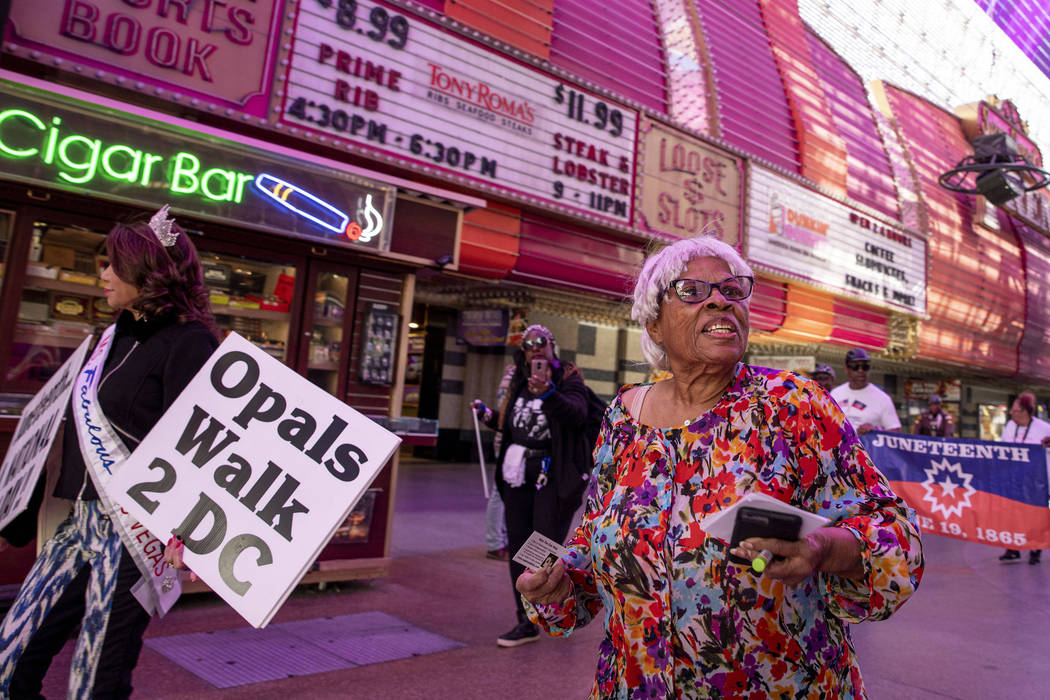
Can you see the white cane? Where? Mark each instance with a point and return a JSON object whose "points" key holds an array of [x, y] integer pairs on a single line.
{"points": [[481, 453]]}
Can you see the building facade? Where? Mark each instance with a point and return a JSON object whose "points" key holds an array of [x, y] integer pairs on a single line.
{"points": [[386, 192]]}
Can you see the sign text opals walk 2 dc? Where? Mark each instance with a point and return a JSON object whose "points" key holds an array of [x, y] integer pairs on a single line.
{"points": [[254, 467]]}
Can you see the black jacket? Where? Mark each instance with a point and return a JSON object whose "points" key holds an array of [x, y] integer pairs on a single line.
{"points": [[149, 365], [566, 412]]}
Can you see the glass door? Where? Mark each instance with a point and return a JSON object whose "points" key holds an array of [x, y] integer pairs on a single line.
{"points": [[324, 350]]}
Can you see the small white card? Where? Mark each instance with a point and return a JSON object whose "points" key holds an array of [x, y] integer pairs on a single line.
{"points": [[539, 552], [720, 524]]}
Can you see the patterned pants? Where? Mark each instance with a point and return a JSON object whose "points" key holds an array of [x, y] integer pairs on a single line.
{"points": [[86, 537]]}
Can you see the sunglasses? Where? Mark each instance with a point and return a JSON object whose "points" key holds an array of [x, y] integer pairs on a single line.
{"points": [[534, 344], [863, 366], [695, 291]]}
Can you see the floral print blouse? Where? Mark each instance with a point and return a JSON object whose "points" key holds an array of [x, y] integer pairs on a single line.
{"points": [[681, 620]]}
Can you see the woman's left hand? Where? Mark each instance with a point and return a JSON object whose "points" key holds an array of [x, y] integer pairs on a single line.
{"points": [[801, 558], [829, 549]]}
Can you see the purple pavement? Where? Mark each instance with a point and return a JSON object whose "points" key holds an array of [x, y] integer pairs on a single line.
{"points": [[974, 630]]}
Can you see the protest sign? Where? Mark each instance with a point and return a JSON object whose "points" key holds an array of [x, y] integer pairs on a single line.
{"points": [[34, 435], [986, 492], [254, 467]]}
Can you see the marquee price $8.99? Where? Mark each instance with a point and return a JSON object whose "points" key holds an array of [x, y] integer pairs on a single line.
{"points": [[603, 117], [346, 17]]}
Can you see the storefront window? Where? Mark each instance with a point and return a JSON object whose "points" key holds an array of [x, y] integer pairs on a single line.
{"points": [[992, 418], [252, 298], [61, 302], [326, 338]]}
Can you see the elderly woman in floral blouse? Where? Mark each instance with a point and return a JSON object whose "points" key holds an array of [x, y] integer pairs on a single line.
{"points": [[682, 620]]}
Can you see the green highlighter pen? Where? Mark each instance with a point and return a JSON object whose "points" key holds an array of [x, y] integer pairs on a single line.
{"points": [[760, 562]]}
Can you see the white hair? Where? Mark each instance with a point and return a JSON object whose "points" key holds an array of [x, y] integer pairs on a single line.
{"points": [[667, 265]]}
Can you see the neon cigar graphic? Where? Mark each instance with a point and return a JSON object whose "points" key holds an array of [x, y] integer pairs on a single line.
{"points": [[315, 209]]}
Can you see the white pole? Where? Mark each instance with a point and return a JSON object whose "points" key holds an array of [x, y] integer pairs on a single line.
{"points": [[481, 453]]}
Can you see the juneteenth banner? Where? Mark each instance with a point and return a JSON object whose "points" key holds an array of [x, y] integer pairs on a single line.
{"points": [[986, 492]]}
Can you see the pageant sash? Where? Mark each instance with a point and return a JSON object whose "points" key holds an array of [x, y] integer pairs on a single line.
{"points": [[104, 453]]}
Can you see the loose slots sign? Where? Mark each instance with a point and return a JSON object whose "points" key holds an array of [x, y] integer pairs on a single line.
{"points": [[366, 73]]}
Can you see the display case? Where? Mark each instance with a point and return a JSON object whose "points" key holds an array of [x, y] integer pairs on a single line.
{"points": [[413, 372], [324, 362], [253, 298], [377, 360], [357, 527], [412, 431], [62, 302]]}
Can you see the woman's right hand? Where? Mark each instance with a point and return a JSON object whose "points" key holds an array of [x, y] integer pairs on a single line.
{"points": [[545, 587], [483, 411], [173, 555]]}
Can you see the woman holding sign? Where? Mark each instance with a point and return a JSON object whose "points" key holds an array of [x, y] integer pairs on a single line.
{"points": [[89, 573], [682, 619]]}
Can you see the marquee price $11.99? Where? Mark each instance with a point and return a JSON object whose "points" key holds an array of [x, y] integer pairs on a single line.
{"points": [[603, 117]]}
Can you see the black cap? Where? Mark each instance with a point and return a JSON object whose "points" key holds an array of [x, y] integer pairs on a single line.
{"points": [[824, 369], [858, 355]]}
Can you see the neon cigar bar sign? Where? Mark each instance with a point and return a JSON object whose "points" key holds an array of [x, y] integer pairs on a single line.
{"points": [[76, 148]]}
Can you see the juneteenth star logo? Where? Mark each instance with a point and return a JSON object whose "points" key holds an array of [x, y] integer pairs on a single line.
{"points": [[948, 488]]}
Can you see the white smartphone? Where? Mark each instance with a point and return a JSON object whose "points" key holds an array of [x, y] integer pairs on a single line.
{"points": [[539, 368]]}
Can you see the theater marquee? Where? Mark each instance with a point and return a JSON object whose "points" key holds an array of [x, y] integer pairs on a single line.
{"points": [[367, 75], [798, 233]]}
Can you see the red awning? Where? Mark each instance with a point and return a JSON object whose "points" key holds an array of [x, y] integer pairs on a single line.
{"points": [[565, 255], [488, 244], [793, 313]]}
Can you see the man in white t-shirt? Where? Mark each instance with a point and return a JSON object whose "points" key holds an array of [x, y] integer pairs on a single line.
{"points": [[866, 406], [1025, 427]]}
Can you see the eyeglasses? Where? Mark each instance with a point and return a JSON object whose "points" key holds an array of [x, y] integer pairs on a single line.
{"points": [[535, 343], [695, 291], [862, 366]]}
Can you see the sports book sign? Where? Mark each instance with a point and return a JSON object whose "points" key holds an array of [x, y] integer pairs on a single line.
{"points": [[255, 468], [33, 437]]}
